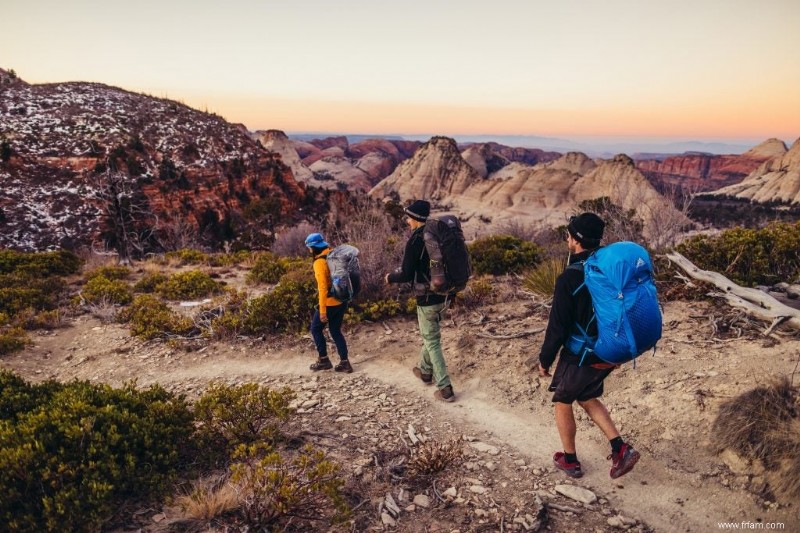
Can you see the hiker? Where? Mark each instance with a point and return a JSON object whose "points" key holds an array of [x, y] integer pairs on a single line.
{"points": [[572, 381], [430, 306], [329, 311]]}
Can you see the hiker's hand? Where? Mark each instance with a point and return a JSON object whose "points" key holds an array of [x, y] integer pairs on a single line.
{"points": [[386, 278], [323, 319], [543, 373]]}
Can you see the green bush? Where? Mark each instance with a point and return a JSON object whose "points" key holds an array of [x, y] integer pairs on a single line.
{"points": [[149, 317], [72, 453], [187, 256], [231, 259], [230, 415], [372, 311], [503, 254], [287, 308], [267, 269], [275, 488], [42, 264], [114, 272], [149, 282], [12, 340], [749, 256], [101, 289], [188, 285]]}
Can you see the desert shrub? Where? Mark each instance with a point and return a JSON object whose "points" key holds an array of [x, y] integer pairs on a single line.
{"points": [[762, 424], [12, 339], [502, 254], [61, 263], [479, 291], [743, 423], [100, 288], [274, 488], [187, 285], [287, 308], [20, 291], [231, 415], [542, 280], [149, 282], [31, 319], [188, 256], [149, 317], [432, 457], [290, 242], [748, 256], [230, 259], [373, 311], [266, 269], [73, 453], [621, 224], [111, 272]]}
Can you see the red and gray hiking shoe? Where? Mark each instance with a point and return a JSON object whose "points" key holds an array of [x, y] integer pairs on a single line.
{"points": [[570, 469], [623, 461], [427, 379]]}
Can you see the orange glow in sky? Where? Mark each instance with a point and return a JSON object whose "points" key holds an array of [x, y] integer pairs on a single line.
{"points": [[680, 68]]}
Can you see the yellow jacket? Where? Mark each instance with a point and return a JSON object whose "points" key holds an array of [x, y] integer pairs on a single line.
{"points": [[323, 277]]}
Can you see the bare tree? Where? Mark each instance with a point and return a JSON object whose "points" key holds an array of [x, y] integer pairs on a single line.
{"points": [[178, 234], [669, 219], [130, 224]]}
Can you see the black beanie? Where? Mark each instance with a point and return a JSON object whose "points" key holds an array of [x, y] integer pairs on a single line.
{"points": [[419, 210], [587, 229]]}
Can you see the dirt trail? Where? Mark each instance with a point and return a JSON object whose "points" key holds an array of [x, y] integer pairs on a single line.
{"points": [[677, 485]]}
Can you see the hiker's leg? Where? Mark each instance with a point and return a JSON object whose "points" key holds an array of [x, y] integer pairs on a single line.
{"points": [[319, 337], [565, 422], [429, 317], [601, 417], [424, 358], [335, 319]]}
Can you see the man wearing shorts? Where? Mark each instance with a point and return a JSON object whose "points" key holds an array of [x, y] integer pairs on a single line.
{"points": [[574, 382]]}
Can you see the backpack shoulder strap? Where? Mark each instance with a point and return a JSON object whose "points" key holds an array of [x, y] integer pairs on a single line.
{"points": [[578, 265]]}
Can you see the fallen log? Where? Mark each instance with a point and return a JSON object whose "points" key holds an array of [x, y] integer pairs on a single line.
{"points": [[755, 302]]}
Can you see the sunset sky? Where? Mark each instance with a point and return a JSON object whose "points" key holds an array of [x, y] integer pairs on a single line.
{"points": [[683, 69]]}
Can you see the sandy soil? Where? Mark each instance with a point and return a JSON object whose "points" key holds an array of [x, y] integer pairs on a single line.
{"points": [[665, 406]]}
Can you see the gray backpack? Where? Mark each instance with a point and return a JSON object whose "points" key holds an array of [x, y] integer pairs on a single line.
{"points": [[345, 273]]}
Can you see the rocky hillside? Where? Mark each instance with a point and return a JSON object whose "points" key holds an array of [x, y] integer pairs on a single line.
{"points": [[334, 163], [706, 172], [776, 180], [436, 171], [542, 195], [62, 144]]}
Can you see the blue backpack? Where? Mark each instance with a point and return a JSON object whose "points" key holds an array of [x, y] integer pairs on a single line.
{"points": [[619, 278]]}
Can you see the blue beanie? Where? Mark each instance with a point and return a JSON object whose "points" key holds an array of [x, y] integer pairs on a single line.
{"points": [[316, 240]]}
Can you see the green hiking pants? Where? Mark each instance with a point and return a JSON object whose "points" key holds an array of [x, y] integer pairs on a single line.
{"points": [[431, 356]]}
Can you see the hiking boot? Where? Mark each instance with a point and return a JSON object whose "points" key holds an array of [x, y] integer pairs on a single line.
{"points": [[571, 469], [344, 366], [623, 461], [323, 363], [427, 379], [446, 394]]}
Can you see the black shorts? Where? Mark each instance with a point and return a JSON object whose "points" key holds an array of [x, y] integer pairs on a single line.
{"points": [[577, 383]]}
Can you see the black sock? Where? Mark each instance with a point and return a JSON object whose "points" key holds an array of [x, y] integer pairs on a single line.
{"points": [[616, 444], [570, 457]]}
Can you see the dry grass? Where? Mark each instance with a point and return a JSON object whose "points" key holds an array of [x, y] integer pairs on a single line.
{"points": [[762, 424], [542, 280], [208, 498]]}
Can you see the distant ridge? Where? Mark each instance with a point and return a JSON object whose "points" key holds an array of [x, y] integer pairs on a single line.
{"points": [[594, 147]]}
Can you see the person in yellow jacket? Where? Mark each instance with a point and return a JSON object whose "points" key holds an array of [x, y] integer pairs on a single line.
{"points": [[330, 311]]}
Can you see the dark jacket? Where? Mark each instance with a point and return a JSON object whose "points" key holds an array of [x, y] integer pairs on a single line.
{"points": [[416, 268], [568, 309]]}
